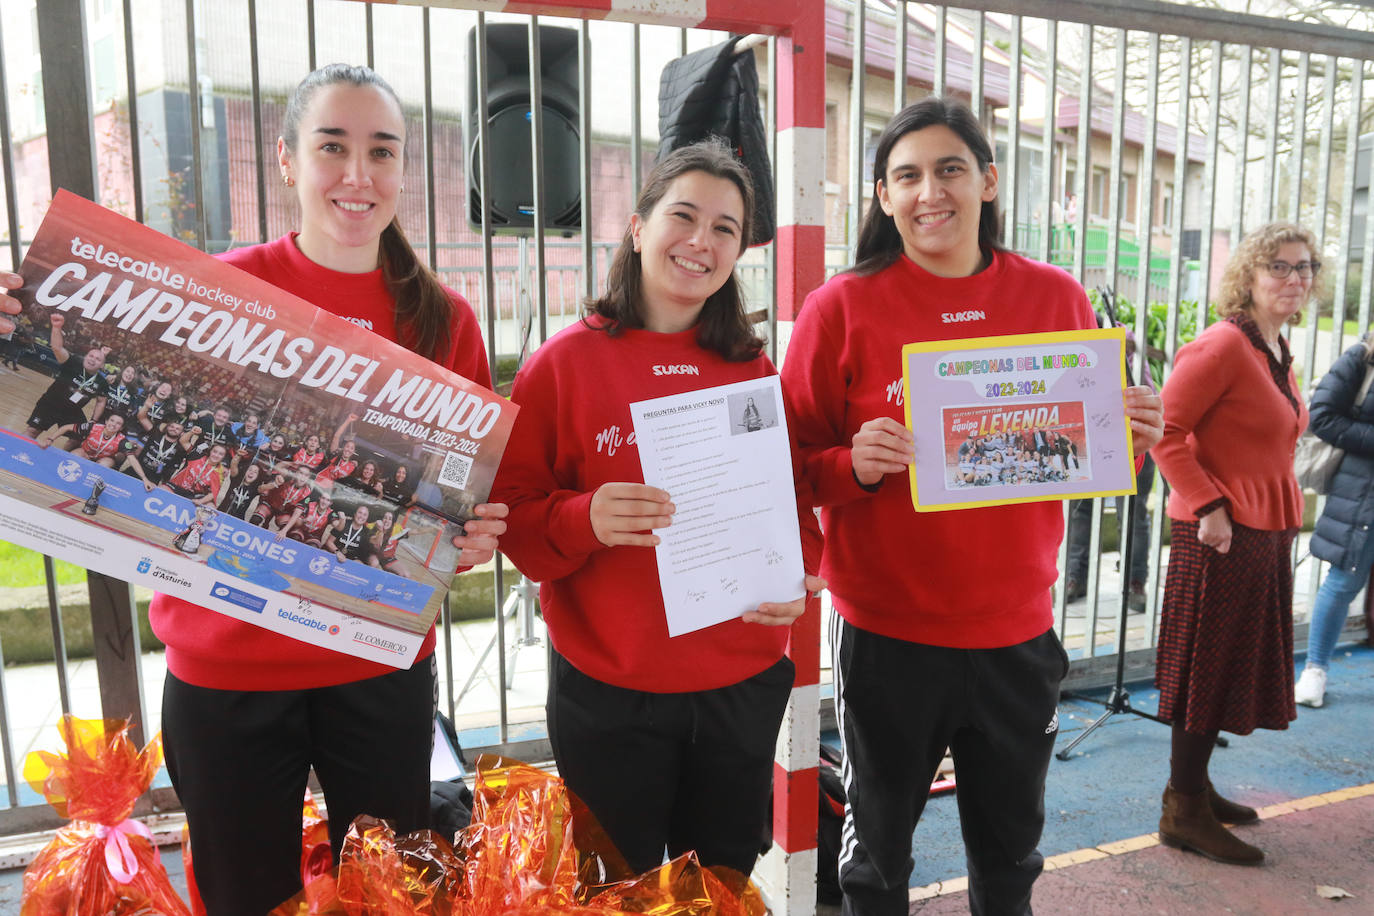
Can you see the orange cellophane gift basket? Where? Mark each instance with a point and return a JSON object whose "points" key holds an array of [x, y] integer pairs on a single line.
{"points": [[532, 850], [102, 861]]}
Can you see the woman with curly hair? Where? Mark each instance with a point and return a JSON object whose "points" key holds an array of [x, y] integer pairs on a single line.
{"points": [[1232, 416]]}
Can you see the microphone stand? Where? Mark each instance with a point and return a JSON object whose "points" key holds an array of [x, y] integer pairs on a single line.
{"points": [[1119, 699]]}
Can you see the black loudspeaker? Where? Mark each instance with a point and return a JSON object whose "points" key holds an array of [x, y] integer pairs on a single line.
{"points": [[508, 129]]}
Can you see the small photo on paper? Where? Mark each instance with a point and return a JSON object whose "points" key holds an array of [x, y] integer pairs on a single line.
{"points": [[751, 411], [1010, 446]]}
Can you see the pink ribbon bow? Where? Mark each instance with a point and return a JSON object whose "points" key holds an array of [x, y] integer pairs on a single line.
{"points": [[119, 856]]}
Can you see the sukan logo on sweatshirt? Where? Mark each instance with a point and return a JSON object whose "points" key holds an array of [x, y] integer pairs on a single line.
{"points": [[360, 322], [680, 369], [967, 315]]}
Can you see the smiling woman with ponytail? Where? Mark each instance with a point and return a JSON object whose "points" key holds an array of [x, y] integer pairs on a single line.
{"points": [[425, 308], [247, 713]]}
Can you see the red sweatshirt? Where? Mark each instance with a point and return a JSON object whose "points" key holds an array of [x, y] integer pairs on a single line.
{"points": [[967, 578], [212, 650], [603, 605]]}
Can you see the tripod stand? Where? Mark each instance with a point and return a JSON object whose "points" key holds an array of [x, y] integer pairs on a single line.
{"points": [[1119, 700], [519, 604]]}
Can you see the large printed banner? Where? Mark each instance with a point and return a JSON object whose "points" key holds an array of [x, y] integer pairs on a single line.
{"points": [[1017, 419], [195, 429]]}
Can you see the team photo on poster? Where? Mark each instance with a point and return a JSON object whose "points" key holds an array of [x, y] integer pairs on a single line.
{"points": [[183, 410], [1018, 418]]}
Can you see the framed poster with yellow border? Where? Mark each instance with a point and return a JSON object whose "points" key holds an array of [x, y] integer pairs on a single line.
{"points": [[1018, 418]]}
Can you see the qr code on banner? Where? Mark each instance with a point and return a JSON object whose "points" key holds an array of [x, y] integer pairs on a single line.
{"points": [[456, 470]]}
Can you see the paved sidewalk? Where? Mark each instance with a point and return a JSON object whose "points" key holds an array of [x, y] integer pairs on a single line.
{"points": [[1107, 794], [1313, 782], [1320, 841]]}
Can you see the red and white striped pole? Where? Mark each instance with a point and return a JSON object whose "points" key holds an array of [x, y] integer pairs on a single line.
{"points": [[788, 871]]}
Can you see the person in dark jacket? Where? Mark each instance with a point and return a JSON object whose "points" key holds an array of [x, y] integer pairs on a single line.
{"points": [[1342, 537], [714, 92]]}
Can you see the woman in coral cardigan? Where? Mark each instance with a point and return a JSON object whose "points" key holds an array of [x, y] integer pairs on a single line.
{"points": [[1232, 415]]}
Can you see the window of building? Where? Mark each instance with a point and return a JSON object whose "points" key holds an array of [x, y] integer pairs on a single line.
{"points": [[1164, 213], [1100, 196], [871, 134], [1130, 204], [832, 145], [104, 75], [40, 117]]}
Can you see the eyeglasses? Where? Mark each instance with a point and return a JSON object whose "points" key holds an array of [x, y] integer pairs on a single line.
{"points": [[1279, 270]]}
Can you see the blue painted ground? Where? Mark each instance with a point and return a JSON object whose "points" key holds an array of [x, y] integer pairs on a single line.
{"points": [[1110, 789]]}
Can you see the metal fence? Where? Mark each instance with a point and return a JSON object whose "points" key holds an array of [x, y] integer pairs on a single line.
{"points": [[187, 149], [1254, 115], [1175, 128]]}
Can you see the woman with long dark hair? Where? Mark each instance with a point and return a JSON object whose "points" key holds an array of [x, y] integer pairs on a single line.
{"points": [[247, 712], [939, 641], [669, 741], [156, 410], [362, 487], [243, 490], [398, 489]]}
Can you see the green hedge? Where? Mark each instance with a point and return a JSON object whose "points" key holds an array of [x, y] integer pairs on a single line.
{"points": [[470, 598], [27, 632]]}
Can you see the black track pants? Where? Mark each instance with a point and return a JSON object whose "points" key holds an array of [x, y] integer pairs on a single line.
{"points": [[900, 704], [239, 761], [681, 771]]}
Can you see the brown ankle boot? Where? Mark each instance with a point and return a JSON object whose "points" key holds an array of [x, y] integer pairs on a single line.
{"points": [[1188, 823], [1229, 812]]}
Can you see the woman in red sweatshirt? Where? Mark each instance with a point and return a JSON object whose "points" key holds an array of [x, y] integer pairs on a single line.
{"points": [[943, 634], [669, 741], [248, 712]]}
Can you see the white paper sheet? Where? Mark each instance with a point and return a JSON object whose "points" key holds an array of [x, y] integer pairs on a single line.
{"points": [[722, 455]]}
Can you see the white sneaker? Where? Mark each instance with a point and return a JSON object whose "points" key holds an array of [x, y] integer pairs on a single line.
{"points": [[1311, 688]]}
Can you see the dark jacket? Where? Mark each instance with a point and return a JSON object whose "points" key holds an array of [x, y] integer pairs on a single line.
{"points": [[1343, 528], [715, 92]]}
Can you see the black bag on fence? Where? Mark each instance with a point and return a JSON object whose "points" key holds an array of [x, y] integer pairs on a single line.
{"points": [[450, 807]]}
